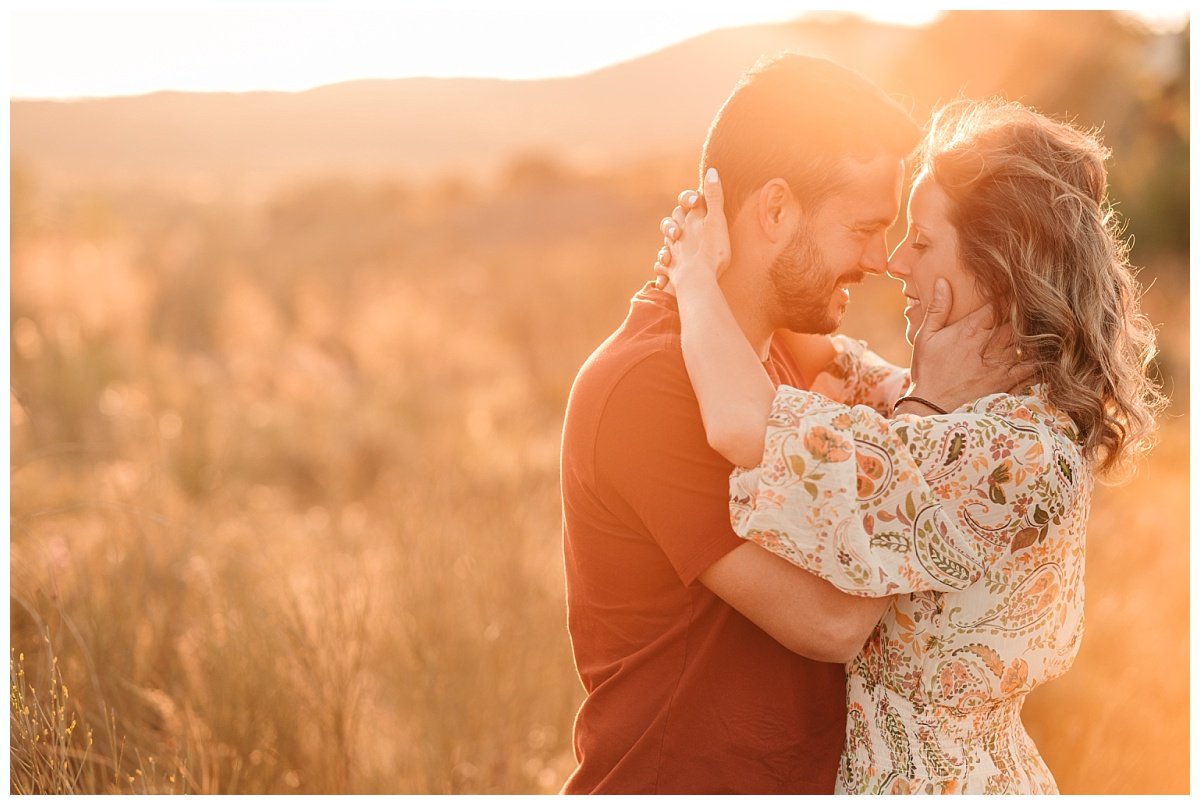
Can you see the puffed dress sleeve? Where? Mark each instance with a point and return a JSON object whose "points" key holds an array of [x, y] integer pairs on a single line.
{"points": [[857, 376], [880, 506]]}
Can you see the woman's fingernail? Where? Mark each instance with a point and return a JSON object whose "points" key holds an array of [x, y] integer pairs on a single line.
{"points": [[710, 176]]}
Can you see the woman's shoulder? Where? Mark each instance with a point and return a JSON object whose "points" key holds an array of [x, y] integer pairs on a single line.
{"points": [[1031, 410], [1030, 405]]}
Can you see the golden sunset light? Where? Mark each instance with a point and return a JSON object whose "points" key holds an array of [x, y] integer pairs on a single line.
{"points": [[74, 49], [358, 444]]}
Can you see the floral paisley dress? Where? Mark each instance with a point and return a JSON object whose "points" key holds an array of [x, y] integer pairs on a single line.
{"points": [[975, 521]]}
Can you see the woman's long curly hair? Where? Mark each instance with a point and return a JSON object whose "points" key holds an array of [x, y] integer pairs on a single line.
{"points": [[1043, 243]]}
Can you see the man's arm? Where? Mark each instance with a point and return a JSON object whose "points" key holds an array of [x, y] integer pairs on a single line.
{"points": [[803, 612], [857, 376], [652, 458], [813, 354]]}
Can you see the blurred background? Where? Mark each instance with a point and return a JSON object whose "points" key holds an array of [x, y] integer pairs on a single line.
{"points": [[287, 378]]}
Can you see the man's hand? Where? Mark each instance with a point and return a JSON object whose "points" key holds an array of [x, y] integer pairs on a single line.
{"points": [[955, 364]]}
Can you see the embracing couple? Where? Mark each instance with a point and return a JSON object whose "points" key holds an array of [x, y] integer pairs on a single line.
{"points": [[793, 567]]}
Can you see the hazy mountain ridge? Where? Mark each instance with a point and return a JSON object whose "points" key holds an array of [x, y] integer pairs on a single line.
{"points": [[421, 127], [654, 106]]}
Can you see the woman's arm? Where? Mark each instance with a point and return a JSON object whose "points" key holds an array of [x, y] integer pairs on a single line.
{"points": [[880, 507], [731, 385]]}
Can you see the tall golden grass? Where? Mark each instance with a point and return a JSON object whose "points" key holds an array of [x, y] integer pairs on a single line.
{"points": [[285, 510]]}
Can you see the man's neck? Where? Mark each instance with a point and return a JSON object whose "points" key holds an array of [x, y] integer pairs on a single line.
{"points": [[747, 308], [747, 305]]}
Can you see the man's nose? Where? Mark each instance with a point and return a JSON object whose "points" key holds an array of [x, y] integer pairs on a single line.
{"points": [[875, 258]]}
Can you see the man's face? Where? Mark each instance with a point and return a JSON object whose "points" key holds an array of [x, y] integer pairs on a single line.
{"points": [[836, 245]]}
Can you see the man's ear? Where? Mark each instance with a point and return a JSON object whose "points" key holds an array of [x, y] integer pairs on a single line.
{"points": [[776, 208]]}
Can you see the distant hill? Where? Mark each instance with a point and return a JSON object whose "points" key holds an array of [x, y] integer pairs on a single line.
{"points": [[1093, 64], [421, 127]]}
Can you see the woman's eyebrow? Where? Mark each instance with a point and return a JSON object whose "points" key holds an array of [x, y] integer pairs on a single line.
{"points": [[916, 223]]}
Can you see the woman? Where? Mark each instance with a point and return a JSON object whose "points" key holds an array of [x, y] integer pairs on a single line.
{"points": [[972, 518]]}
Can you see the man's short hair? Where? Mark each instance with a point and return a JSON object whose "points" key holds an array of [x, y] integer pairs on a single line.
{"points": [[799, 118]]}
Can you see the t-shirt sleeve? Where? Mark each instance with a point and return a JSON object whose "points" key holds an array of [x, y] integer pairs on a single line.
{"points": [[857, 376], [878, 506], [653, 456]]}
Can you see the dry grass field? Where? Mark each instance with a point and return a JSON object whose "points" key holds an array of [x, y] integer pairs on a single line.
{"points": [[284, 490]]}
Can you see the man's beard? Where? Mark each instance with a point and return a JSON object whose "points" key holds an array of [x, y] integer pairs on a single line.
{"points": [[797, 276]]}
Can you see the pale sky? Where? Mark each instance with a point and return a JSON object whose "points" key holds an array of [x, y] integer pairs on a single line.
{"points": [[62, 49]]}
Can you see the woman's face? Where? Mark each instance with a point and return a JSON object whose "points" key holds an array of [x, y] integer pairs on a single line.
{"points": [[930, 250]]}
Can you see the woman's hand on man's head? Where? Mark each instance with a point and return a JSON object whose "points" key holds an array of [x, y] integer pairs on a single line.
{"points": [[695, 235]]}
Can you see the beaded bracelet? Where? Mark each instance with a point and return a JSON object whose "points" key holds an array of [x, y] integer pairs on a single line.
{"points": [[921, 400]]}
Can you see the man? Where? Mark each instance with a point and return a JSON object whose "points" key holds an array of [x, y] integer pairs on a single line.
{"points": [[692, 677]]}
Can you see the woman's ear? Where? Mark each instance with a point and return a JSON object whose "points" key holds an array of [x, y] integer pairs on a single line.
{"points": [[777, 205]]}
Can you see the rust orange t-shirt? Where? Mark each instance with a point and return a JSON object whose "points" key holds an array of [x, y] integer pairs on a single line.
{"points": [[684, 694]]}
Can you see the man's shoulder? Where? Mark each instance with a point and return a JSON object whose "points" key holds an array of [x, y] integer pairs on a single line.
{"points": [[632, 397], [630, 364]]}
